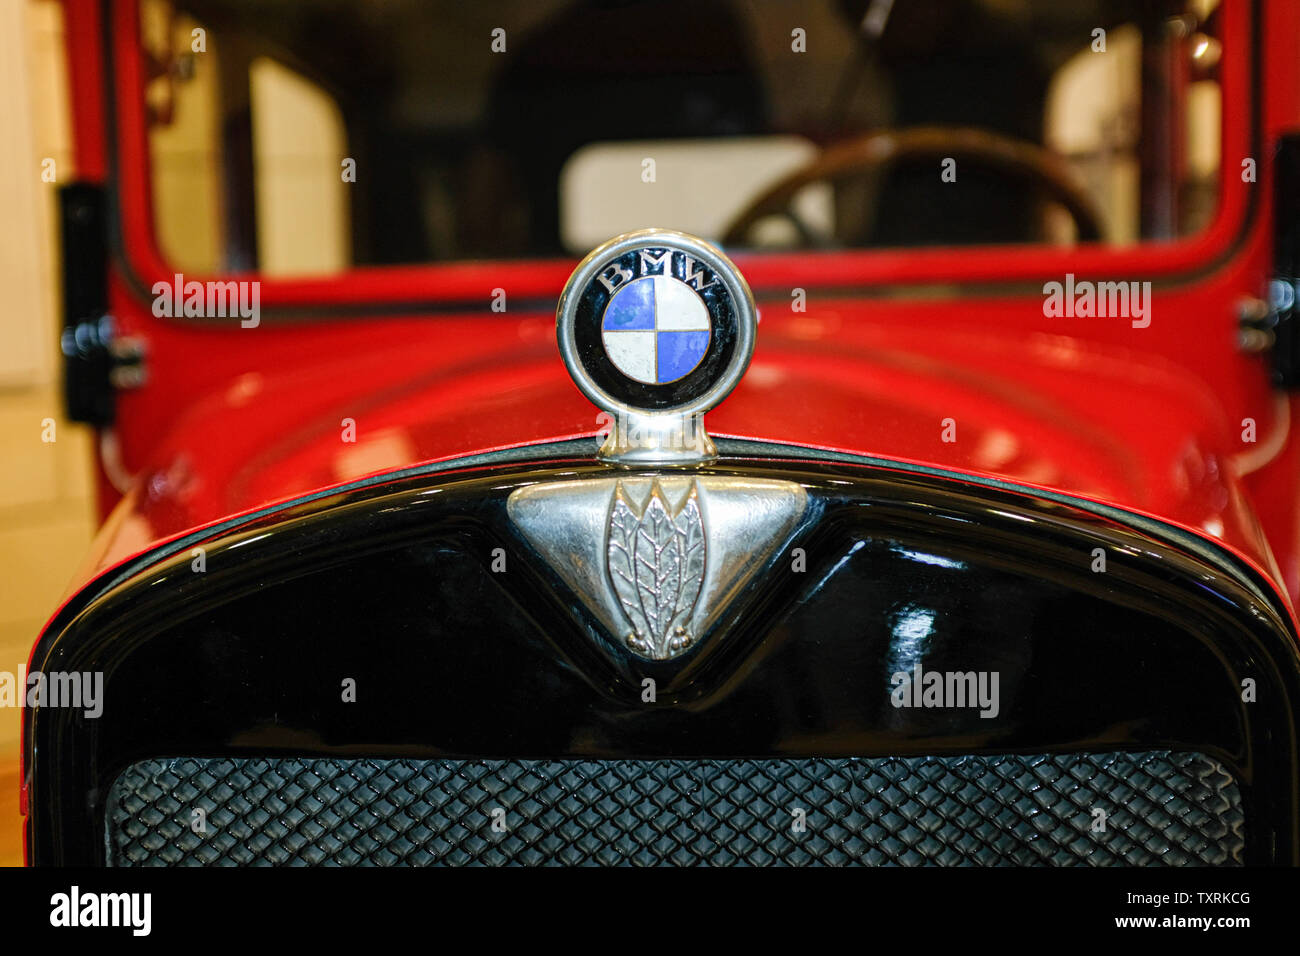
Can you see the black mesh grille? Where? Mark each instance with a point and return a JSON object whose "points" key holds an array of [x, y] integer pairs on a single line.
{"points": [[1161, 809]]}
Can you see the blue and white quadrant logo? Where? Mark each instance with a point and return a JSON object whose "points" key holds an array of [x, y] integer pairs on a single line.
{"points": [[656, 329]]}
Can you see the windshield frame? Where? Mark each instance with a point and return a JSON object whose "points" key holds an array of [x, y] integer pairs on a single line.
{"points": [[121, 151]]}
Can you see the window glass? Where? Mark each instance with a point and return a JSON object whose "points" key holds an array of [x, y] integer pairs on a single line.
{"points": [[309, 136]]}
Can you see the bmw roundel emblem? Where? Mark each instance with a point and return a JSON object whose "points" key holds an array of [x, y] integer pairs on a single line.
{"points": [[656, 329], [656, 322]]}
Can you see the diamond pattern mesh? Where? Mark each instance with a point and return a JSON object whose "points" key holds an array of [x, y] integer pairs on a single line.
{"points": [[1161, 809]]}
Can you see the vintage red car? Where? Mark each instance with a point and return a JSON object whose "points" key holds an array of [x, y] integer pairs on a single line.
{"points": [[402, 326]]}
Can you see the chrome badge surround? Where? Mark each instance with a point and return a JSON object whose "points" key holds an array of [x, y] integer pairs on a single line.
{"points": [[657, 424], [658, 557]]}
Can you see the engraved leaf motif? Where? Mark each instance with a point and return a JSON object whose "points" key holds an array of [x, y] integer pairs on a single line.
{"points": [[622, 535], [656, 566], [689, 526]]}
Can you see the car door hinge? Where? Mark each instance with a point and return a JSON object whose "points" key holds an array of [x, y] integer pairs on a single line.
{"points": [[96, 360], [1283, 305]]}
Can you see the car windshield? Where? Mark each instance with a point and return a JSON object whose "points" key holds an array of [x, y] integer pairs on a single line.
{"points": [[312, 136]]}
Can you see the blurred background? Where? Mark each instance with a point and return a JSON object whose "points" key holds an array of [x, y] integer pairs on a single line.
{"points": [[46, 508]]}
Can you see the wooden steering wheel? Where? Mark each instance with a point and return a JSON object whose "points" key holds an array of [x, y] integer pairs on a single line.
{"points": [[1045, 170]]}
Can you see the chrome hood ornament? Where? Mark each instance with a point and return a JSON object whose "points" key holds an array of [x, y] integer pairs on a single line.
{"points": [[657, 558], [656, 327]]}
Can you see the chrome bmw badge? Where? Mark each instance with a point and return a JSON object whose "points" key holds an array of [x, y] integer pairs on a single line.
{"points": [[656, 327]]}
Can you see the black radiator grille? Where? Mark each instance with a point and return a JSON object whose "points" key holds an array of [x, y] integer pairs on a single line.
{"points": [[1161, 809]]}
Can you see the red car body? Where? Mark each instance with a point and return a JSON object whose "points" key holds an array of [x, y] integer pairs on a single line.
{"points": [[232, 419], [892, 345]]}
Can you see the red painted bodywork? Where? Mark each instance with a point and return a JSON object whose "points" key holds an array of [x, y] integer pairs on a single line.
{"points": [[1148, 419]]}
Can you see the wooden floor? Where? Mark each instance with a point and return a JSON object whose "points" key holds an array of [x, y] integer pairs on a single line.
{"points": [[11, 824], [40, 545]]}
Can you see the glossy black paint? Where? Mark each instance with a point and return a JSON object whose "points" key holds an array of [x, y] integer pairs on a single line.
{"points": [[392, 585]]}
